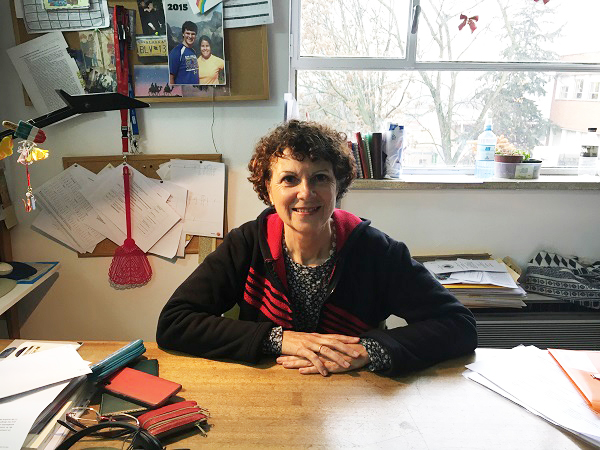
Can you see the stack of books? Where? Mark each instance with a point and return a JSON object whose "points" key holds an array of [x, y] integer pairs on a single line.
{"points": [[485, 283]]}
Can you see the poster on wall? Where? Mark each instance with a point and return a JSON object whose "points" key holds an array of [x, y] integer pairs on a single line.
{"points": [[196, 45]]}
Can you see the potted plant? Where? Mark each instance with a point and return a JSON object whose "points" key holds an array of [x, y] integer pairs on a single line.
{"points": [[506, 152]]}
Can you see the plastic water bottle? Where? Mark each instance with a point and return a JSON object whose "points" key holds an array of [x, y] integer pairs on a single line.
{"points": [[486, 147]]}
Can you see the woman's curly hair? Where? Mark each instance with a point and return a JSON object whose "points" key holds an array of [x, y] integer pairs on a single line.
{"points": [[305, 140]]}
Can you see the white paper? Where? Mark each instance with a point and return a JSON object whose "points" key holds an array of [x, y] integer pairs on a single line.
{"points": [[575, 359], [206, 5], [205, 181], [168, 245], [46, 224], [151, 216], [44, 65], [62, 199], [28, 372], [535, 379], [18, 9], [18, 413], [464, 265], [38, 20], [246, 13], [38, 346]]}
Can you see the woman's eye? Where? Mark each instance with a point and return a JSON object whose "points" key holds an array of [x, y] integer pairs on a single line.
{"points": [[321, 178], [288, 179]]}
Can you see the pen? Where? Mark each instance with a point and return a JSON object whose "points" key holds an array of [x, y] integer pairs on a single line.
{"points": [[20, 351], [7, 352]]}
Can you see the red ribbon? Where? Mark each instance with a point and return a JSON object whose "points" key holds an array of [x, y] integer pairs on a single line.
{"points": [[545, 1], [471, 21]]}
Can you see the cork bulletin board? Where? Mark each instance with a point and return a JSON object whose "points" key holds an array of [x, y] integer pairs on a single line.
{"points": [[147, 165], [246, 55]]}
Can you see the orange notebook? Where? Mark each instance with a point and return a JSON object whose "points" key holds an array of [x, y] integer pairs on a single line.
{"points": [[141, 387], [583, 369]]}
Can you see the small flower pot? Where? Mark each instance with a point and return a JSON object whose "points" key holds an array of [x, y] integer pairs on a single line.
{"points": [[508, 158]]}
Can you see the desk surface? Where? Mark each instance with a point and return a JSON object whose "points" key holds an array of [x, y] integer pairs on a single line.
{"points": [[268, 406]]}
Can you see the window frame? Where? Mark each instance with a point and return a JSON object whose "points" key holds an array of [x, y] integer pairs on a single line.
{"points": [[410, 63]]}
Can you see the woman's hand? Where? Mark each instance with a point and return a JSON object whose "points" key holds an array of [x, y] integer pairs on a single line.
{"points": [[319, 349], [305, 366]]}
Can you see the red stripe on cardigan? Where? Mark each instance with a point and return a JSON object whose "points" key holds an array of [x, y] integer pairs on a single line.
{"points": [[338, 322], [259, 279], [335, 328], [349, 317], [261, 307], [260, 300]]}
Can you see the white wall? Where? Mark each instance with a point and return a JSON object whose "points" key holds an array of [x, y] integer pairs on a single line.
{"points": [[79, 304]]}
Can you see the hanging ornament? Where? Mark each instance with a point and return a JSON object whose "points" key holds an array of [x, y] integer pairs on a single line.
{"points": [[470, 20], [28, 154], [6, 147]]}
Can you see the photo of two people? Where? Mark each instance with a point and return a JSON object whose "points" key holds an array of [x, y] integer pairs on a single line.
{"points": [[196, 46]]}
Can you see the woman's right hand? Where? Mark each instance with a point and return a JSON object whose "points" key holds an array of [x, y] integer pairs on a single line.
{"points": [[311, 345]]}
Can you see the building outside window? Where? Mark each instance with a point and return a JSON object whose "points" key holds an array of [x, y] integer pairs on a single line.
{"points": [[360, 65]]}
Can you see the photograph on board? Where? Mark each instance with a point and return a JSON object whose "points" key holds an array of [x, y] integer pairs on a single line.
{"points": [[153, 81], [196, 45], [152, 17]]}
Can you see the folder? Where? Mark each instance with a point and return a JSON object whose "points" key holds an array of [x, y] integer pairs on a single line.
{"points": [[583, 369]]}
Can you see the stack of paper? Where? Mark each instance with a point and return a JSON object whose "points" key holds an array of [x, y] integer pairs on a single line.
{"points": [[479, 283], [32, 389], [530, 377], [80, 208]]}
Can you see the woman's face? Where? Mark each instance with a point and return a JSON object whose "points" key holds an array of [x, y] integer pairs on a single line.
{"points": [[302, 192], [205, 49]]}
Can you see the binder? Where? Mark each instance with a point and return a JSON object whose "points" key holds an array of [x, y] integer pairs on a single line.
{"points": [[583, 369]]}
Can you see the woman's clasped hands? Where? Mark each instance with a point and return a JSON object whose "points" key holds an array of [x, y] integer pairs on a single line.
{"points": [[313, 353]]}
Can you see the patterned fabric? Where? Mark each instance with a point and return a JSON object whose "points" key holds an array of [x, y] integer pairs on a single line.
{"points": [[272, 344], [563, 278], [380, 358]]}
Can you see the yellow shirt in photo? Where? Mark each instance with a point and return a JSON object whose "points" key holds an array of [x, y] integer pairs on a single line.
{"points": [[208, 69]]}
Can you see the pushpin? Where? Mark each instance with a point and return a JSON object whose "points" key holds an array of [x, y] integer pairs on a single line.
{"points": [[25, 130]]}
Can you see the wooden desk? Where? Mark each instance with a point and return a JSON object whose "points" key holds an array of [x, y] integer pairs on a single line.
{"points": [[269, 407]]}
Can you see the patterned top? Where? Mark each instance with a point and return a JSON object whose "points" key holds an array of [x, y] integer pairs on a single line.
{"points": [[308, 291]]}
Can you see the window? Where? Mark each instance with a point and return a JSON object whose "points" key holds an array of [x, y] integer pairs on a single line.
{"points": [[578, 88], [358, 65], [594, 90]]}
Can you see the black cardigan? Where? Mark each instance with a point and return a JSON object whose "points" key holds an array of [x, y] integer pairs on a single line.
{"points": [[374, 277]]}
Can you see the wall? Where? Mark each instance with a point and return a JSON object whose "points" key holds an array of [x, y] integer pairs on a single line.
{"points": [[79, 304]]}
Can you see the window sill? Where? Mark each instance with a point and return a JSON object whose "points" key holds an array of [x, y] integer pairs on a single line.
{"points": [[437, 182]]}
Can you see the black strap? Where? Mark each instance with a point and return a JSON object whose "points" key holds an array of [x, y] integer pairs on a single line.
{"points": [[142, 438]]}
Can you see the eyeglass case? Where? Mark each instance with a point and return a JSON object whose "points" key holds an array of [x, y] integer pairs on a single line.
{"points": [[118, 359], [173, 418]]}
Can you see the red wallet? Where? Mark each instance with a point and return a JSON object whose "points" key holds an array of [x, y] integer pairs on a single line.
{"points": [[141, 387], [173, 418]]}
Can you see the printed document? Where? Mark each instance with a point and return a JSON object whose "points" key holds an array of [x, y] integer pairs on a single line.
{"points": [[44, 65], [62, 199], [205, 182], [246, 13], [151, 216], [18, 413], [464, 265]]}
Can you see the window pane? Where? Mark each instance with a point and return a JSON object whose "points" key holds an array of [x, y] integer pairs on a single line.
{"points": [[443, 111], [354, 28], [509, 30]]}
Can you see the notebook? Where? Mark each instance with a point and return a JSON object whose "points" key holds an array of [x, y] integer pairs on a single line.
{"points": [[111, 405], [141, 387]]}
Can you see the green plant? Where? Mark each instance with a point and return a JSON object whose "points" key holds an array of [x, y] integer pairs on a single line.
{"points": [[526, 154]]}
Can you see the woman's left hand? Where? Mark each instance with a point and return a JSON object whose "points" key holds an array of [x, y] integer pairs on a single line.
{"points": [[306, 367]]}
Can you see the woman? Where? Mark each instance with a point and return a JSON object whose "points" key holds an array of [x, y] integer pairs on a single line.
{"points": [[313, 282], [209, 65]]}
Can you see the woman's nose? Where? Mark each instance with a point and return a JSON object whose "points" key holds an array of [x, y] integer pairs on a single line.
{"points": [[305, 189]]}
